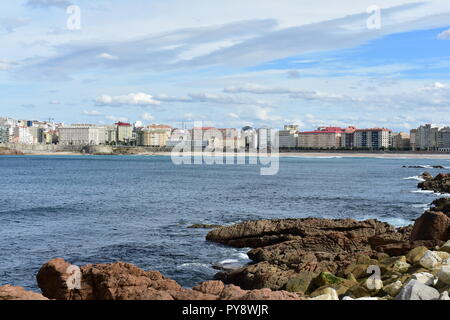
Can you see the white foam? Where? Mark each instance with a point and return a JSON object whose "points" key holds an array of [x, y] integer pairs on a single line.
{"points": [[422, 205], [423, 191], [228, 261], [418, 178], [194, 265]]}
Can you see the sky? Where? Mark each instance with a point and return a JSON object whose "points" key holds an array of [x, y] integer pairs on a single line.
{"points": [[227, 63]]}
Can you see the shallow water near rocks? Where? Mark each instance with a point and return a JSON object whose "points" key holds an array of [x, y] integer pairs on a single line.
{"points": [[101, 209]]}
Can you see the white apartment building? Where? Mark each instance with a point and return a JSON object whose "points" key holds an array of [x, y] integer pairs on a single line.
{"points": [[427, 137], [444, 139], [375, 138], [22, 135], [288, 137], [267, 138], [82, 134]]}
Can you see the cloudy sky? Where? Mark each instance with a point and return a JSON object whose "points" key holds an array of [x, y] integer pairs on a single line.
{"points": [[227, 63]]}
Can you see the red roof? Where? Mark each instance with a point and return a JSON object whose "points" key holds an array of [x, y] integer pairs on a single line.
{"points": [[325, 130], [374, 129], [123, 124]]}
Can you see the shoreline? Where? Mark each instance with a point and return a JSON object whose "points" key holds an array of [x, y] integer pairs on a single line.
{"points": [[281, 155]]}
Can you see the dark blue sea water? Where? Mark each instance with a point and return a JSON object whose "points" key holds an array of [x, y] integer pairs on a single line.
{"points": [[99, 209]]}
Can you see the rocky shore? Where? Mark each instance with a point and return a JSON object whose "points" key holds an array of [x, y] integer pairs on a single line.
{"points": [[439, 183], [292, 259]]}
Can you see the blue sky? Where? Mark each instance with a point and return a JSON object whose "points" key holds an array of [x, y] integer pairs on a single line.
{"points": [[228, 64]]}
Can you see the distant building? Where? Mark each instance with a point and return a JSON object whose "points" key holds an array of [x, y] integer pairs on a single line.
{"points": [[82, 134], [412, 139], [153, 136], [322, 138], [374, 138], [348, 138], [444, 139], [4, 134], [124, 132], [401, 141], [250, 138], [288, 137], [267, 138], [22, 135], [111, 134], [426, 138]]}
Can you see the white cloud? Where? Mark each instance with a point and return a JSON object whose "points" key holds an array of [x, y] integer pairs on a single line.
{"points": [[6, 65], [293, 93], [445, 35], [114, 118], [133, 99], [93, 113], [107, 56], [147, 116], [48, 3], [233, 115], [55, 102]]}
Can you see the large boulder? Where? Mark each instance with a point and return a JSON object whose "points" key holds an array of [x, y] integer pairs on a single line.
{"points": [[432, 225], [415, 290], [9, 292], [260, 233]]}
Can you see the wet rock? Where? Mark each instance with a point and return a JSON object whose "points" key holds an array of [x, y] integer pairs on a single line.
{"points": [[415, 290], [9, 292], [440, 183]]}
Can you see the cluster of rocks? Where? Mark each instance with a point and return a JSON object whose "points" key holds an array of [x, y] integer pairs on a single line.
{"points": [[440, 183], [124, 281], [324, 259]]}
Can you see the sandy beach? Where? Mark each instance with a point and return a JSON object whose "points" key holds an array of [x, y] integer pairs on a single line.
{"points": [[445, 156]]}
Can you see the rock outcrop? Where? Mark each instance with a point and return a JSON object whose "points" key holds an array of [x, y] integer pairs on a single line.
{"points": [[9, 292], [124, 281], [440, 183]]}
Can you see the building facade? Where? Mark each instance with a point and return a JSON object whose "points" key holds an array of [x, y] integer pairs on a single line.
{"points": [[124, 132], [288, 138], [82, 134], [401, 141], [4, 134], [426, 138], [375, 138], [322, 138], [444, 139]]}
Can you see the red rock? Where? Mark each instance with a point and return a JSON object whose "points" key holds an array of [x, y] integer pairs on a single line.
{"points": [[432, 225], [210, 287], [9, 292]]}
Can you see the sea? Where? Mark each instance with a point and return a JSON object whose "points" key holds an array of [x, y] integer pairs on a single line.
{"points": [[137, 209]]}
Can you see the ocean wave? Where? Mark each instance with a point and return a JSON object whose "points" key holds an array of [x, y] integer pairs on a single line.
{"points": [[194, 265], [418, 178], [423, 191], [421, 205], [228, 261]]}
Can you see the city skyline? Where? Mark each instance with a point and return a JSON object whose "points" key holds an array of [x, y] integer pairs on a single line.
{"points": [[261, 65]]}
